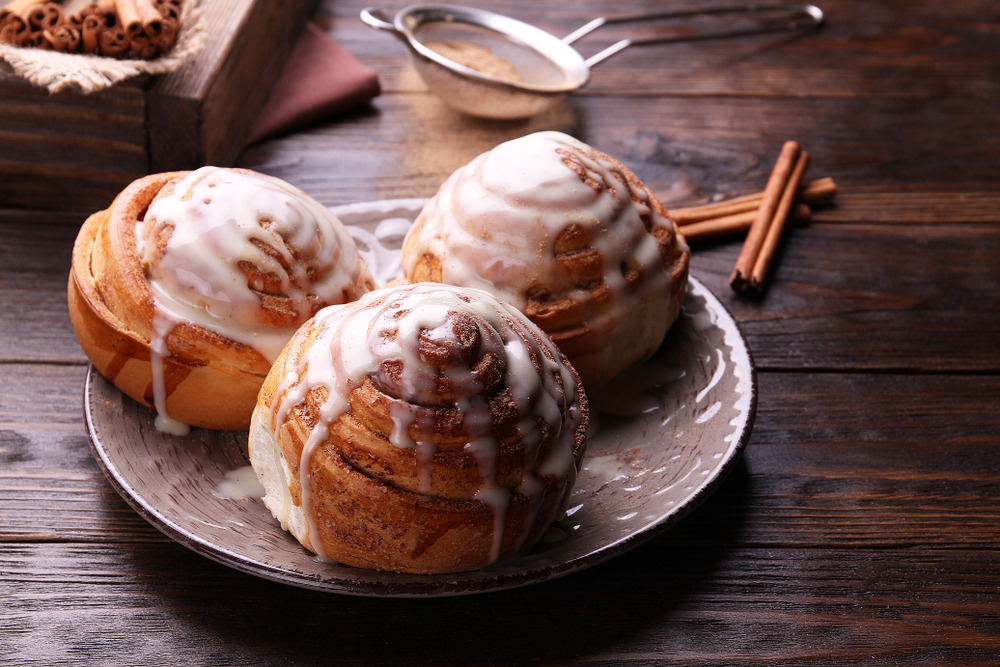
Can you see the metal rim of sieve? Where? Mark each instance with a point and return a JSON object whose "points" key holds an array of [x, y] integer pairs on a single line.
{"points": [[526, 98], [409, 20]]}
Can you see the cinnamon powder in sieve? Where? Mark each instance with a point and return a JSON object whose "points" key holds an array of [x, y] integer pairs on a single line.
{"points": [[478, 58]]}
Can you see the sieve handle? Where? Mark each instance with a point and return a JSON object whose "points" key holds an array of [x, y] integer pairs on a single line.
{"points": [[799, 16], [376, 18]]}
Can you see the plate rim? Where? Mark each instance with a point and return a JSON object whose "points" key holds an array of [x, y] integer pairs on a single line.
{"points": [[438, 585]]}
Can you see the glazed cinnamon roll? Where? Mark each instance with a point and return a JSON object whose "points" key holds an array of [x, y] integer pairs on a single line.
{"points": [[423, 428], [183, 292], [568, 235]]}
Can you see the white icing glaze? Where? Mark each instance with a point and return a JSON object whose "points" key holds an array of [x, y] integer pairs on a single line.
{"points": [[217, 215], [162, 325], [239, 484], [356, 339], [494, 222], [219, 219]]}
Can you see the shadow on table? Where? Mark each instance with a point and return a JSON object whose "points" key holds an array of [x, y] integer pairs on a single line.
{"points": [[238, 619]]}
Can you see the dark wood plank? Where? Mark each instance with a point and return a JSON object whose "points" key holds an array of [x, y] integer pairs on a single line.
{"points": [[50, 485], [857, 460], [35, 253], [835, 461], [662, 604], [872, 297], [72, 151], [843, 296], [203, 113], [939, 50], [861, 525], [688, 150], [914, 205]]}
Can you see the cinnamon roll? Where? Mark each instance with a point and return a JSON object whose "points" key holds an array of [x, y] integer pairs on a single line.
{"points": [[568, 235], [183, 292], [423, 428]]}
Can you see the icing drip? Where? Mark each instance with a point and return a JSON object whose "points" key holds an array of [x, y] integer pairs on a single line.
{"points": [[244, 255], [496, 496], [423, 344], [162, 325], [239, 484], [496, 224]]}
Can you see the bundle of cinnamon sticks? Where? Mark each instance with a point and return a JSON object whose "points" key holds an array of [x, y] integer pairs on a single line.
{"points": [[112, 28], [762, 216]]}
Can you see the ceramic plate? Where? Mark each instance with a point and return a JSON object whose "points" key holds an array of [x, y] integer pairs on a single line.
{"points": [[665, 435]]}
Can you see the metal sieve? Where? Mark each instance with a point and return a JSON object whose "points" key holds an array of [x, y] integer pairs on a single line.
{"points": [[545, 68]]}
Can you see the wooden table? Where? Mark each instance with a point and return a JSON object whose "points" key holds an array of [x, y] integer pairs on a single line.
{"points": [[862, 525]]}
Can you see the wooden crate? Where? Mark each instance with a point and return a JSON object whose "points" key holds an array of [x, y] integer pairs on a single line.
{"points": [[73, 152]]}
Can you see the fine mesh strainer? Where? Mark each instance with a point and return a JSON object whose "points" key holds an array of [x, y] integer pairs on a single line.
{"points": [[508, 69]]}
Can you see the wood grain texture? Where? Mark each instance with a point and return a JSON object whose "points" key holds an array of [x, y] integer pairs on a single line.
{"points": [[664, 605], [688, 150], [203, 113], [914, 205], [929, 304], [35, 253], [941, 50], [830, 306], [861, 525], [890, 461], [68, 151]]}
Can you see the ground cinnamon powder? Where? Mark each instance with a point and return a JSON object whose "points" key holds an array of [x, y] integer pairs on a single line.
{"points": [[476, 57]]}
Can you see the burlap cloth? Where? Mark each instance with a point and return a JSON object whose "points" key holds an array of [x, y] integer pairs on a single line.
{"points": [[57, 71]]}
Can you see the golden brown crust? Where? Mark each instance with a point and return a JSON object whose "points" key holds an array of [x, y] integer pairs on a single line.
{"points": [[383, 506], [111, 308], [602, 321], [210, 380], [566, 319]]}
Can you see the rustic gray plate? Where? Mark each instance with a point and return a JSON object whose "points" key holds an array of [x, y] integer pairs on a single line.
{"points": [[665, 435]]}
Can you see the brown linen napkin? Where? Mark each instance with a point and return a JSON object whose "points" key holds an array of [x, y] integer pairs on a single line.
{"points": [[321, 79]]}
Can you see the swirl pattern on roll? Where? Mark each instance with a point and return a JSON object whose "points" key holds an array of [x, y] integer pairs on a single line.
{"points": [[188, 286], [568, 235], [239, 252], [422, 428]]}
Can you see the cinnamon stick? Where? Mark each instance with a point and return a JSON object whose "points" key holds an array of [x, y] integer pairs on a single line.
{"points": [[108, 14], [813, 192], [128, 15], [734, 224], [141, 46], [93, 26], [45, 16], [14, 30], [65, 38], [106, 8], [79, 7], [18, 8], [740, 278], [169, 8], [113, 42], [762, 266], [14, 27], [103, 18], [77, 11], [144, 27], [113, 28], [152, 21], [168, 37]]}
